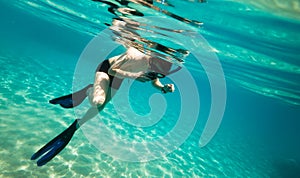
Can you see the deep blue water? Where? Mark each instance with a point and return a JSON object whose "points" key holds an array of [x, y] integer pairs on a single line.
{"points": [[41, 43]]}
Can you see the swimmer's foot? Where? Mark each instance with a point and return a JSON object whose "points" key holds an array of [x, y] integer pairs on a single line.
{"points": [[72, 100], [56, 145]]}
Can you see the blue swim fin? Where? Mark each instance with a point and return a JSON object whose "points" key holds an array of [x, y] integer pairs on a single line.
{"points": [[56, 145], [71, 100]]}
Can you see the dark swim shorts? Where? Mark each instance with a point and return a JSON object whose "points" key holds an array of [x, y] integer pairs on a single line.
{"points": [[114, 82]]}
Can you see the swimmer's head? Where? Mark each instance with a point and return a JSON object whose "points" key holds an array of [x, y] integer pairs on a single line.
{"points": [[170, 54]]}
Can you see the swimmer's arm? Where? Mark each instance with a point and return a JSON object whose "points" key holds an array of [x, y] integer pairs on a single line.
{"points": [[157, 84], [164, 88]]}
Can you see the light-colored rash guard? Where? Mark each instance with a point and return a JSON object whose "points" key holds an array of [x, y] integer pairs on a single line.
{"points": [[131, 64]]}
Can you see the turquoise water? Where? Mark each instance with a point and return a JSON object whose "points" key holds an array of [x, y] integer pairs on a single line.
{"points": [[257, 44]]}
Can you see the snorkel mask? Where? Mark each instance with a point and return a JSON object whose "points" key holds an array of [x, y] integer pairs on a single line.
{"points": [[154, 75]]}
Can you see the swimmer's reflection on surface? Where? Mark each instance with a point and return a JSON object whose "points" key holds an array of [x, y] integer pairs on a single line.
{"points": [[122, 8]]}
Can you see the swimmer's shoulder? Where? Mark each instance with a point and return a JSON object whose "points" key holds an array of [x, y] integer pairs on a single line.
{"points": [[135, 54]]}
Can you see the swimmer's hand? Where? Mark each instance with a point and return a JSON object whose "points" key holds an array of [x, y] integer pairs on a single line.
{"points": [[168, 88], [143, 77]]}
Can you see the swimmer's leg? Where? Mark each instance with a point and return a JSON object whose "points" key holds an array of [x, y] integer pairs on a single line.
{"points": [[101, 85], [99, 95], [93, 111], [55, 146], [72, 100]]}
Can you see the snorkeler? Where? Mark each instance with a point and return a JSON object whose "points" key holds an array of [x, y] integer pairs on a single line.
{"points": [[133, 64]]}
